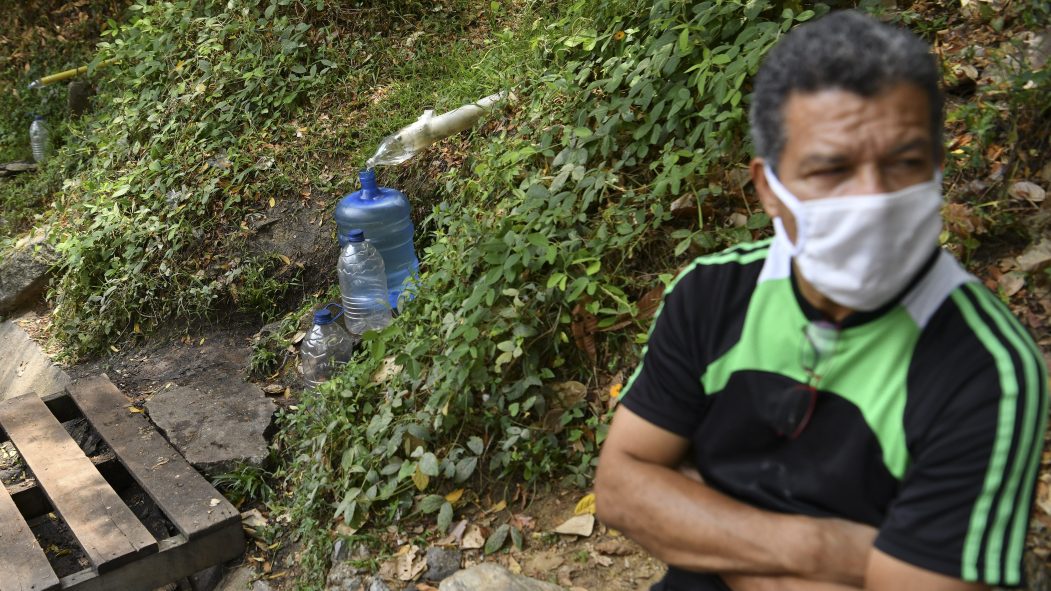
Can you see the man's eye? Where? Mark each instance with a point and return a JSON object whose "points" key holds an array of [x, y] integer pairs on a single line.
{"points": [[911, 163], [834, 171]]}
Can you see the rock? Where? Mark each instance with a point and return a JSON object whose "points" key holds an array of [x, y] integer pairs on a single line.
{"points": [[13, 168], [25, 368], [253, 519], [492, 577], [442, 562], [207, 579], [261, 586], [239, 579], [340, 551], [377, 584], [23, 274], [216, 426], [344, 577]]}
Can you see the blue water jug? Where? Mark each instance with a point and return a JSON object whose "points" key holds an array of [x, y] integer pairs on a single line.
{"points": [[383, 213]]}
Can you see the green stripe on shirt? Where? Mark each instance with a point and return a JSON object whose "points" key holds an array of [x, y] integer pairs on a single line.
{"points": [[1009, 389], [1007, 510]]}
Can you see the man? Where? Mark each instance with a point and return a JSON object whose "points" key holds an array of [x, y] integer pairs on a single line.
{"points": [[862, 413]]}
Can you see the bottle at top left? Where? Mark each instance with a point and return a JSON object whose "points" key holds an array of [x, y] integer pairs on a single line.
{"points": [[39, 139]]}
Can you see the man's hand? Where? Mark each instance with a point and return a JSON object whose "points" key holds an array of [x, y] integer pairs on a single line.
{"points": [[685, 523]]}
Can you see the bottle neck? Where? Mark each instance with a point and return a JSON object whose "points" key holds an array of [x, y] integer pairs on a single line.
{"points": [[369, 188]]}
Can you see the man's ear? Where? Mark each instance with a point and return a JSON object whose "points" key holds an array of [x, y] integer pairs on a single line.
{"points": [[771, 204]]}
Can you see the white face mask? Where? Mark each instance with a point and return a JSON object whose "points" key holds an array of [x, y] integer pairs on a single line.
{"points": [[860, 251]]}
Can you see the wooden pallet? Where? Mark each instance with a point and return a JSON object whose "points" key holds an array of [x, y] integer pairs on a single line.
{"points": [[83, 492]]}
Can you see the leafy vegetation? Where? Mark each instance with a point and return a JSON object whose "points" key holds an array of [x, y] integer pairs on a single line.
{"points": [[550, 238]]}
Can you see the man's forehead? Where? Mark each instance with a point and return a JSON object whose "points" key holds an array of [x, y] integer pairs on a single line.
{"points": [[828, 120]]}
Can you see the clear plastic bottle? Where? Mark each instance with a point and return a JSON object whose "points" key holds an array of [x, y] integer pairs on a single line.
{"points": [[39, 139], [325, 348], [363, 286]]}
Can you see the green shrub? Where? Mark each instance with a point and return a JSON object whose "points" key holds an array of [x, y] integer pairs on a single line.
{"points": [[537, 248], [166, 171]]}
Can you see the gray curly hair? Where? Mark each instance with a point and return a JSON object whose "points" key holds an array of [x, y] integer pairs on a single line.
{"points": [[845, 50]]}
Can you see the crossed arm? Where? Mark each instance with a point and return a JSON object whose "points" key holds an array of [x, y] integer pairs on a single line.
{"points": [[687, 524]]}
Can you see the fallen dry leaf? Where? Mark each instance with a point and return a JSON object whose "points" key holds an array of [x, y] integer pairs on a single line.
{"points": [[1011, 283], [513, 566], [1031, 192], [570, 393], [615, 548], [253, 519], [685, 206], [583, 329], [522, 521], [601, 559], [473, 538], [409, 564], [649, 302], [388, 369], [580, 525], [1036, 256], [543, 563], [586, 505], [455, 535]]}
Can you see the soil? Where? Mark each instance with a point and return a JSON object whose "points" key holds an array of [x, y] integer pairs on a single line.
{"points": [[193, 356], [604, 560]]}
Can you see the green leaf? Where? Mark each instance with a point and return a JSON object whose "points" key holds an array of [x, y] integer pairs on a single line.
{"points": [[429, 464], [431, 503], [497, 539], [445, 517], [474, 443], [465, 468]]}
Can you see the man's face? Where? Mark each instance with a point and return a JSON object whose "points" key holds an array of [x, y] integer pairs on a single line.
{"points": [[839, 143]]}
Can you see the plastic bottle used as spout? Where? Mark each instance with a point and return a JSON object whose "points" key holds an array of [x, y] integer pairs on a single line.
{"points": [[429, 128], [383, 214]]}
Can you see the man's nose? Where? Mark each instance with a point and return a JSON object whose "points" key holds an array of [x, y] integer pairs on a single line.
{"points": [[869, 180]]}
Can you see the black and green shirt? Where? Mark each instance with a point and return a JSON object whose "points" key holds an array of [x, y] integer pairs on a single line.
{"points": [[929, 417]]}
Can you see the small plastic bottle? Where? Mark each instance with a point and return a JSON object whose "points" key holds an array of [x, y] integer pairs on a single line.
{"points": [[325, 348], [39, 139], [363, 286]]}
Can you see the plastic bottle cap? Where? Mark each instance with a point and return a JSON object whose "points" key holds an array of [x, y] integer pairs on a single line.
{"points": [[38, 117], [356, 236], [323, 316]]}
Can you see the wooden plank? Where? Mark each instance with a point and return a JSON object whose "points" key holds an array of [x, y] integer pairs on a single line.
{"points": [[185, 497], [177, 558], [32, 502], [104, 526], [25, 566], [60, 405]]}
